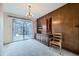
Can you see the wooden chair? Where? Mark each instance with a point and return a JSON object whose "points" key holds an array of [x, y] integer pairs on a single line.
{"points": [[57, 40]]}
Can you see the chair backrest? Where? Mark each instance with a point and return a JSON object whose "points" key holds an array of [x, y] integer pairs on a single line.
{"points": [[57, 35]]}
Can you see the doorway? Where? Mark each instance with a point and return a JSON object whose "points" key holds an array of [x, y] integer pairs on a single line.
{"points": [[21, 29]]}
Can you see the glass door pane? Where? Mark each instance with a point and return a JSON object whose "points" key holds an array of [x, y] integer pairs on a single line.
{"points": [[17, 30], [28, 30]]}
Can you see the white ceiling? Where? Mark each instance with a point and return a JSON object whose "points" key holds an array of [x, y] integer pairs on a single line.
{"points": [[37, 9]]}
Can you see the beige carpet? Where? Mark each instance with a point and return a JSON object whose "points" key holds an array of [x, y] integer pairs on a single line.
{"points": [[32, 47]]}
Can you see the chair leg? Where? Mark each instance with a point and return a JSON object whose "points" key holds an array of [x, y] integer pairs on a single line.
{"points": [[60, 49]]}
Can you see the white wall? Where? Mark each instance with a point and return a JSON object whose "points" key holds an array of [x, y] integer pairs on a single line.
{"points": [[1, 29], [34, 27], [7, 29]]}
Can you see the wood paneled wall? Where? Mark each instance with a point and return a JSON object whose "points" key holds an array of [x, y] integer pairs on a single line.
{"points": [[66, 21]]}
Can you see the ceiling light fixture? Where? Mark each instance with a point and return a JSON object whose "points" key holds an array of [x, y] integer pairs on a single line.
{"points": [[29, 14]]}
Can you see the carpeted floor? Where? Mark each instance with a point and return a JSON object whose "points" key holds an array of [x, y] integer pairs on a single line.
{"points": [[32, 47]]}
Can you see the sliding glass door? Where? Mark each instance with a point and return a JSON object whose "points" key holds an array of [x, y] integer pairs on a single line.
{"points": [[27, 30], [22, 29]]}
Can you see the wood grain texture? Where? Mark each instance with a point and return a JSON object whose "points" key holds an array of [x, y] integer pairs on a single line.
{"points": [[65, 20]]}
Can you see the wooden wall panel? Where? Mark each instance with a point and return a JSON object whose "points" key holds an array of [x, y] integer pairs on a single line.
{"points": [[66, 21]]}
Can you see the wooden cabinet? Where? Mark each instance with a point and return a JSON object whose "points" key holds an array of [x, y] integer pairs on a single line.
{"points": [[44, 25]]}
